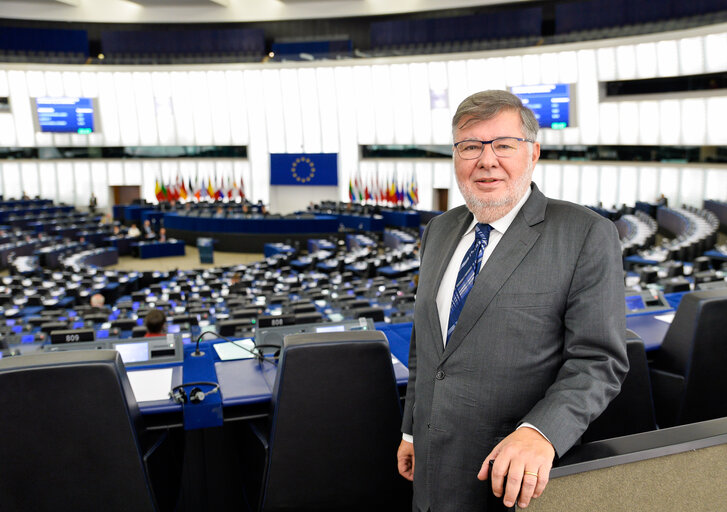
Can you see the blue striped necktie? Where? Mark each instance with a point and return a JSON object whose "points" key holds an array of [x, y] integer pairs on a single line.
{"points": [[467, 272]]}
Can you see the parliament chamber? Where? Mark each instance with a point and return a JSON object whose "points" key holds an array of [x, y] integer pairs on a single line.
{"points": [[309, 166]]}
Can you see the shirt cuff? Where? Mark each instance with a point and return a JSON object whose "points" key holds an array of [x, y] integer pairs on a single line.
{"points": [[408, 438], [530, 425]]}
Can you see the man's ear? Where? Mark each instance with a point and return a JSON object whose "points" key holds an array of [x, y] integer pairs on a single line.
{"points": [[536, 152]]}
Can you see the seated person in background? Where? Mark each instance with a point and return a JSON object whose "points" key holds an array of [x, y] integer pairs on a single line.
{"points": [[148, 230], [220, 212], [154, 323], [162, 235], [97, 300], [134, 231]]}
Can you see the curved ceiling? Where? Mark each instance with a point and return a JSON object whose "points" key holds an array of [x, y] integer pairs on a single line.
{"points": [[217, 11]]}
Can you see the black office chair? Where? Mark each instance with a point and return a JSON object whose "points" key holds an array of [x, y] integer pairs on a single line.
{"points": [[71, 429], [632, 411], [689, 371], [334, 427]]}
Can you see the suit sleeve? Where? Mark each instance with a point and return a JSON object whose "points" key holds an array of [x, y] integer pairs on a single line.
{"points": [[595, 361], [407, 425]]}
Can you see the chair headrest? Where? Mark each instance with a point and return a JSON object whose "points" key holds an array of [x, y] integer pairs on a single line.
{"points": [[308, 338]]}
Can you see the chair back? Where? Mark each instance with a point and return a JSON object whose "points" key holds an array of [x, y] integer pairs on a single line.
{"points": [[335, 424], [632, 410], [70, 427]]}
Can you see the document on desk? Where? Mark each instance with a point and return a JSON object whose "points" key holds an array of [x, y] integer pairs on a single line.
{"points": [[665, 318], [241, 349], [149, 385]]}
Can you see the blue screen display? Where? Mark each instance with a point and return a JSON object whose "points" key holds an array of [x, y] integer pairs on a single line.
{"points": [[102, 333], [65, 115], [550, 103], [17, 328], [634, 303], [173, 328], [28, 338]]}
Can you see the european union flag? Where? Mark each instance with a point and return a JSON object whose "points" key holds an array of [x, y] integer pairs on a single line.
{"points": [[319, 169]]}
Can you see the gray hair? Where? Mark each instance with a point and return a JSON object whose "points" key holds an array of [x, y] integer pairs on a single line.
{"points": [[485, 105]]}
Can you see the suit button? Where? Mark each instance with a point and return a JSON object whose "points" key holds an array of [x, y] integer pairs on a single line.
{"points": [[439, 375]]}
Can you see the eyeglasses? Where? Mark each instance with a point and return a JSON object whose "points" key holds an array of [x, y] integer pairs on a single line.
{"points": [[503, 147]]}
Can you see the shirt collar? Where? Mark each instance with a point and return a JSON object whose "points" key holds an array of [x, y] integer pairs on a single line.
{"points": [[500, 225]]}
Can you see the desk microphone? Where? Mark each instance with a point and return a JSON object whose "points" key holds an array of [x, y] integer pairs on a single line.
{"points": [[259, 356], [196, 352]]}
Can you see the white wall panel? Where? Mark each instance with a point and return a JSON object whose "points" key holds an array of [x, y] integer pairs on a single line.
{"points": [[237, 103], [568, 67], [163, 108], [549, 68], [531, 70], [151, 172], [476, 77], [48, 181], [7, 124], [29, 177], [716, 116], [81, 183], [326, 90], [364, 104], [715, 184], [628, 186], [586, 104], [423, 178], [714, 53], [116, 173], [108, 110], [126, 106], [538, 175], [400, 93], [182, 101], [571, 183], [648, 183], [609, 185], [257, 154], [383, 106], [89, 89], [609, 123], [145, 108], [219, 109], [456, 85], [692, 186], [100, 185], [420, 103], [691, 55], [66, 182], [22, 114], [273, 110], [590, 184], [694, 121], [513, 70], [667, 57], [292, 134], [443, 175], [133, 172], [646, 61], [348, 154], [552, 180], [606, 63], [36, 88], [441, 117], [669, 184], [649, 122], [494, 75], [203, 133], [310, 111], [670, 122], [628, 117], [625, 62]]}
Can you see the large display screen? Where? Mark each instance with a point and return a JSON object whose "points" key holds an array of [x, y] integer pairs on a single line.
{"points": [[551, 103], [65, 115]]}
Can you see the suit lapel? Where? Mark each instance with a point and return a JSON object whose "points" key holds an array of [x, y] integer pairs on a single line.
{"points": [[509, 253], [442, 253]]}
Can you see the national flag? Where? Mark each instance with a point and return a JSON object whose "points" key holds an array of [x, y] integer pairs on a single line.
{"points": [[242, 189], [158, 190], [219, 193], [350, 189], [197, 189], [210, 189], [182, 190], [164, 192], [232, 191], [392, 192]]}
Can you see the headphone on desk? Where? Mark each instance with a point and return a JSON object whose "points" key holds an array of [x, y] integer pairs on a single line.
{"points": [[196, 395]]}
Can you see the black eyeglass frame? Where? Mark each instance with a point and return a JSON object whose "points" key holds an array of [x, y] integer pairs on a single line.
{"points": [[485, 143]]}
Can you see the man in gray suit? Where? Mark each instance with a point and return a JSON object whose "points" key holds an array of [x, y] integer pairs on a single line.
{"points": [[512, 366]]}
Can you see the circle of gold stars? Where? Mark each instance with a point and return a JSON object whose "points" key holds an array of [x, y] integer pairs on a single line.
{"points": [[311, 170]]}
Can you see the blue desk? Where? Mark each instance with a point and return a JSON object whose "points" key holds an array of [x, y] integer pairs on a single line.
{"points": [[405, 219], [362, 222], [649, 329], [161, 249]]}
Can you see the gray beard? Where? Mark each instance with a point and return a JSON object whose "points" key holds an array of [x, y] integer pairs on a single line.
{"points": [[489, 211]]}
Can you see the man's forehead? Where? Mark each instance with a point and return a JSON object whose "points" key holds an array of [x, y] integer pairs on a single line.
{"points": [[504, 117]]}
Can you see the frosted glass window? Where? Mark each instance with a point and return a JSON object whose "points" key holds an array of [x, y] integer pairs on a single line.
{"points": [[48, 181], [236, 101], [715, 184], [646, 63], [568, 66], [82, 183], [670, 120], [571, 183], [441, 117], [100, 184], [715, 54], [71, 83], [54, 84], [107, 109], [587, 98], [456, 85], [531, 69], [669, 184], [694, 121], [35, 81], [219, 109], [311, 114], [201, 108], [606, 64], [716, 115], [66, 177], [649, 122], [628, 186], [327, 104], [403, 129], [29, 175], [667, 56], [553, 181], [291, 98], [608, 117], [649, 183], [12, 186], [89, 89], [443, 176], [7, 130], [273, 110], [346, 104], [383, 106], [126, 105], [420, 102], [163, 108], [21, 109], [132, 173], [692, 186], [182, 99], [145, 107], [590, 185], [116, 174], [4, 89], [537, 177], [625, 62], [691, 56], [423, 181], [549, 68], [364, 103], [513, 70], [609, 186], [476, 76], [494, 74]]}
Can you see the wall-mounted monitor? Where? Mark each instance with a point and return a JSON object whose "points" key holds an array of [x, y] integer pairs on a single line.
{"points": [[552, 103], [65, 115]]}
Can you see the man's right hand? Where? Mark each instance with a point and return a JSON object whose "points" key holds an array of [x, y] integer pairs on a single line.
{"points": [[405, 456]]}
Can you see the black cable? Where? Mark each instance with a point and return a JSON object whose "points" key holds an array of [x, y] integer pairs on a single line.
{"points": [[258, 355]]}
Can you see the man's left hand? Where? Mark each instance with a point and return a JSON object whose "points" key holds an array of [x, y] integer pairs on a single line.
{"points": [[520, 456]]}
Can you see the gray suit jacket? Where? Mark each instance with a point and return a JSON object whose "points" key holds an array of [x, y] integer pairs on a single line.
{"points": [[540, 339]]}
